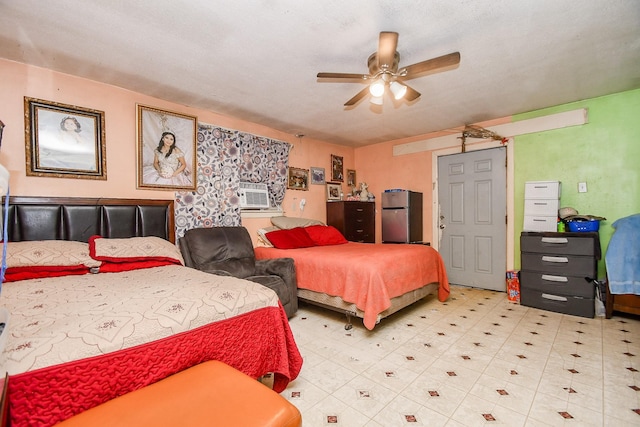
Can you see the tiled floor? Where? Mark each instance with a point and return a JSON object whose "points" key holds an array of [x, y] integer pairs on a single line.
{"points": [[475, 360]]}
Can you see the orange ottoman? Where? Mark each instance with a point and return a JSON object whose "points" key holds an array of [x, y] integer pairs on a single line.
{"points": [[209, 394]]}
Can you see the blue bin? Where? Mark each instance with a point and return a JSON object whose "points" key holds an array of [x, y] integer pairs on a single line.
{"points": [[584, 226]]}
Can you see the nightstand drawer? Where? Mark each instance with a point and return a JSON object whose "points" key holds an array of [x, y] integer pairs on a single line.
{"points": [[563, 265], [559, 303], [558, 244], [557, 284]]}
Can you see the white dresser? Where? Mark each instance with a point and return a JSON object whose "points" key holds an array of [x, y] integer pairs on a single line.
{"points": [[541, 204]]}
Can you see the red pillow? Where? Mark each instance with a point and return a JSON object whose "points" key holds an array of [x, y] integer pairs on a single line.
{"points": [[290, 239], [324, 235]]}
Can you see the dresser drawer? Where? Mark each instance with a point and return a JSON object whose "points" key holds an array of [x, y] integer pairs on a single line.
{"points": [[359, 235], [557, 284], [542, 190], [360, 211], [558, 244], [559, 303], [563, 265], [542, 207]]}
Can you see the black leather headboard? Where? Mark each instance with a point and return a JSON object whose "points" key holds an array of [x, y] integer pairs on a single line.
{"points": [[64, 218]]}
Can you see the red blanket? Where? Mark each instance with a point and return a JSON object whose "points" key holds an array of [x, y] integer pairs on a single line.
{"points": [[365, 274], [255, 343]]}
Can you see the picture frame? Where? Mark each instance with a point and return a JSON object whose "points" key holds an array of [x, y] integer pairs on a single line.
{"points": [[337, 168], [333, 190], [351, 178], [159, 165], [64, 141], [298, 179], [317, 176]]}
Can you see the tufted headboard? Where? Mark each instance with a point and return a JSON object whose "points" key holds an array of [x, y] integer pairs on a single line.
{"points": [[68, 218]]}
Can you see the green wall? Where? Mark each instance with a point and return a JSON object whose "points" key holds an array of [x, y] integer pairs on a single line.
{"points": [[604, 153]]}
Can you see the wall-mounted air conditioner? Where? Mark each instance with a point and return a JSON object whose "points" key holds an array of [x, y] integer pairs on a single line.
{"points": [[254, 195]]}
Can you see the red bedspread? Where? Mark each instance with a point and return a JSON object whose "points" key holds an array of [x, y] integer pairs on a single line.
{"points": [[256, 343], [365, 274]]}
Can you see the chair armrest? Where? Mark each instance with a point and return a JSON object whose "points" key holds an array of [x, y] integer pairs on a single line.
{"points": [[286, 269], [283, 267]]}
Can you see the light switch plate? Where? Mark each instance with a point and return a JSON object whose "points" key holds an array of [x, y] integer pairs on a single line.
{"points": [[582, 187]]}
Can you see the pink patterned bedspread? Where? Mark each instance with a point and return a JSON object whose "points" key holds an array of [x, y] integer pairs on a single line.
{"points": [[79, 341], [365, 274]]}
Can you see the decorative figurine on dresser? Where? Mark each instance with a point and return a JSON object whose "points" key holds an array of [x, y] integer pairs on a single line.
{"points": [[553, 271]]}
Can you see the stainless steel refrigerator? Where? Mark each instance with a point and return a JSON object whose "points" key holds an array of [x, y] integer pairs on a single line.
{"points": [[401, 216]]}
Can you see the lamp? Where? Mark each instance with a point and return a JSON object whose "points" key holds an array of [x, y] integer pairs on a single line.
{"points": [[377, 88], [398, 90]]}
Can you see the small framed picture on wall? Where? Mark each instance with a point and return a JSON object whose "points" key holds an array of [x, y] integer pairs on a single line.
{"points": [[351, 177], [333, 190], [337, 168], [298, 179], [317, 176]]}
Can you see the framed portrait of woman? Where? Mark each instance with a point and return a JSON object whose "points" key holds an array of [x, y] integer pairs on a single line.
{"points": [[64, 141], [166, 149]]}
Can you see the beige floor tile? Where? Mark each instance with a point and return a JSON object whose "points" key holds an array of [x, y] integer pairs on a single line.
{"points": [[475, 360]]}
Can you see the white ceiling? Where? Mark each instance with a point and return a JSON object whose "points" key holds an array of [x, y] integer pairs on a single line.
{"points": [[258, 60]]}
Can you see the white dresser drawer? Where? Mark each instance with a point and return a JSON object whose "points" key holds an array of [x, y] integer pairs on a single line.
{"points": [[542, 207], [542, 190], [540, 223]]}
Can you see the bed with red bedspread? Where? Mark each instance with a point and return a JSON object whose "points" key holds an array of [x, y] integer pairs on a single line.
{"points": [[92, 318], [368, 280]]}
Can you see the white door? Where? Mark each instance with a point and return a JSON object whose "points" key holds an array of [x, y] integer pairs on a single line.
{"points": [[472, 196]]}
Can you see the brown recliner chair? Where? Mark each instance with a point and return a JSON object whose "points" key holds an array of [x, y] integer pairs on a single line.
{"points": [[228, 251]]}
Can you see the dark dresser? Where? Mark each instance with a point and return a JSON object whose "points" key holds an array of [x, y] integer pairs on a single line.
{"points": [[355, 220], [553, 270]]}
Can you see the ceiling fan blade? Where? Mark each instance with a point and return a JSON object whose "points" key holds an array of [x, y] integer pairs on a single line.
{"points": [[432, 66], [358, 97], [387, 49], [342, 76]]}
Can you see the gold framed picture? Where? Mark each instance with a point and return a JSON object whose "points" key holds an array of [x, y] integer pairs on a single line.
{"points": [[351, 177], [64, 141], [298, 179], [166, 149]]}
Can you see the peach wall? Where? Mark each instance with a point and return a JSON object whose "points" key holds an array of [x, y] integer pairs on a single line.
{"points": [[119, 105], [377, 166]]}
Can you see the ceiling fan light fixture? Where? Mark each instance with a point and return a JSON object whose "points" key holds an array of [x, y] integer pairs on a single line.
{"points": [[377, 100], [377, 88], [398, 89]]}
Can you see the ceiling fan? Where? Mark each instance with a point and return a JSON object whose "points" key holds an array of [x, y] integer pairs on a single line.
{"points": [[384, 72]]}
